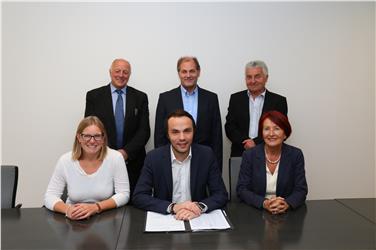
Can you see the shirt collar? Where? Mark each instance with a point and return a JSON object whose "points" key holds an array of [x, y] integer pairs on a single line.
{"points": [[262, 94], [186, 93], [113, 89], [173, 158]]}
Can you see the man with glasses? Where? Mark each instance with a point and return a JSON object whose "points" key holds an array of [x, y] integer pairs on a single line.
{"points": [[247, 106], [124, 112]]}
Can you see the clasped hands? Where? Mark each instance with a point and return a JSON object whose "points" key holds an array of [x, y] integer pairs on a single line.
{"points": [[186, 210], [81, 211], [276, 205], [248, 143]]}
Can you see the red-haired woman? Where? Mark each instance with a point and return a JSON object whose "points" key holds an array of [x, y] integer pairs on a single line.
{"points": [[272, 174]]}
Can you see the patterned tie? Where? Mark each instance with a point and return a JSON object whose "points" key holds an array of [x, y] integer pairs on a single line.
{"points": [[119, 119]]}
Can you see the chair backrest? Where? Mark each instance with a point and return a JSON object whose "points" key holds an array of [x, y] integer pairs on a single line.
{"points": [[64, 196], [234, 163], [9, 180]]}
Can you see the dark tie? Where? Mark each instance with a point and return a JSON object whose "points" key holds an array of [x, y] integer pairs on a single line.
{"points": [[119, 119]]}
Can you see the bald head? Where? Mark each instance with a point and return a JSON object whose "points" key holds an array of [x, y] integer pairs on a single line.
{"points": [[120, 71]]}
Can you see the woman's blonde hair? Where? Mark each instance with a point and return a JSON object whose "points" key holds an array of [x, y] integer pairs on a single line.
{"points": [[86, 122]]}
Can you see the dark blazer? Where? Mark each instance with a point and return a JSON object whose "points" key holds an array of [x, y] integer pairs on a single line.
{"points": [[136, 127], [208, 124], [291, 182], [154, 188], [237, 119]]}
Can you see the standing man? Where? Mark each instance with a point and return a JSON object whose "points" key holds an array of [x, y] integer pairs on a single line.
{"points": [[125, 114], [247, 106], [180, 178], [200, 103]]}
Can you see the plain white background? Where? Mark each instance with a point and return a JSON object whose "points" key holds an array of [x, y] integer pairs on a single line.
{"points": [[321, 56]]}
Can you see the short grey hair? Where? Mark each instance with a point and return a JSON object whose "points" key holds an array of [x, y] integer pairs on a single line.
{"points": [[120, 60], [258, 63]]}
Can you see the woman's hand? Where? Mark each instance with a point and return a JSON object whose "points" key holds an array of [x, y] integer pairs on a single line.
{"points": [[81, 211], [276, 205]]}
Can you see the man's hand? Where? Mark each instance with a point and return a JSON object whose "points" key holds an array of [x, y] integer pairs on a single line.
{"points": [[185, 214], [125, 155], [248, 143], [187, 205]]}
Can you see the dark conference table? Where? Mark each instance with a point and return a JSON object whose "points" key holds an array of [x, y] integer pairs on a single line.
{"points": [[320, 224], [364, 207]]}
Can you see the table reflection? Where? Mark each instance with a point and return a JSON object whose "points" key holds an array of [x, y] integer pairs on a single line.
{"points": [[97, 232], [278, 228]]}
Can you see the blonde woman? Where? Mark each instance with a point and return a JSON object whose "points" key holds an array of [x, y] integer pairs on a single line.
{"points": [[95, 176]]}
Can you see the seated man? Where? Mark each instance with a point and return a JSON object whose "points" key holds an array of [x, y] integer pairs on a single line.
{"points": [[175, 177]]}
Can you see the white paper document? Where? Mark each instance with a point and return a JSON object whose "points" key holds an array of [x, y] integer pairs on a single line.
{"points": [[213, 220], [156, 222]]}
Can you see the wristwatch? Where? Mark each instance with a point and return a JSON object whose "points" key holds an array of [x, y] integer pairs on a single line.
{"points": [[171, 208], [201, 206]]}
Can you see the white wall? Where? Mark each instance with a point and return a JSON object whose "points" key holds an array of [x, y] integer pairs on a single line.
{"points": [[321, 57]]}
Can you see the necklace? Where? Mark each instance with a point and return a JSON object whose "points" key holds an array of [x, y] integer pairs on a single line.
{"points": [[272, 162]]}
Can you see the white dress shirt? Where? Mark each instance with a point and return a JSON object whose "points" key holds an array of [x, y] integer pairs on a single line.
{"points": [[255, 111], [271, 182], [181, 178]]}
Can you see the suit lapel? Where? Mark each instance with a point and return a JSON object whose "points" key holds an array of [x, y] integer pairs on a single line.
{"points": [[260, 164], [245, 103], [178, 98], [167, 169], [202, 104], [267, 102], [283, 169], [129, 107], [194, 170], [107, 104]]}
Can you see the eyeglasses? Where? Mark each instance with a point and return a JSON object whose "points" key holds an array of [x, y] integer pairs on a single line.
{"points": [[87, 138]]}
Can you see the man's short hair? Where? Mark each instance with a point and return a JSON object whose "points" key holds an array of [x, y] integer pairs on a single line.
{"points": [[180, 113], [118, 60], [187, 59], [258, 63]]}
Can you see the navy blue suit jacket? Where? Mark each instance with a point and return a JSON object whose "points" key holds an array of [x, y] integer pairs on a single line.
{"points": [[154, 188], [237, 119], [209, 124], [291, 182]]}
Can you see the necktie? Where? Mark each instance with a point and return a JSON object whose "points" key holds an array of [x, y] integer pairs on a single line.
{"points": [[119, 119]]}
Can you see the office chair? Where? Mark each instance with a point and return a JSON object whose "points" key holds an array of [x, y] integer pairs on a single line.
{"points": [[234, 164], [9, 180], [64, 196]]}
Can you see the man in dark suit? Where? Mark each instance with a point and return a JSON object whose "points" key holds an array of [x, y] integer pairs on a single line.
{"points": [[125, 114], [247, 106], [177, 177], [200, 103]]}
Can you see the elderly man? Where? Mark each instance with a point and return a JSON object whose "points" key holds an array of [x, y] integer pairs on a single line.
{"points": [[200, 103], [180, 178], [247, 106], [125, 114]]}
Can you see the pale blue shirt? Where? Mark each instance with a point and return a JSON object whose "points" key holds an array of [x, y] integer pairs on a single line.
{"points": [[115, 96], [190, 101], [255, 111]]}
